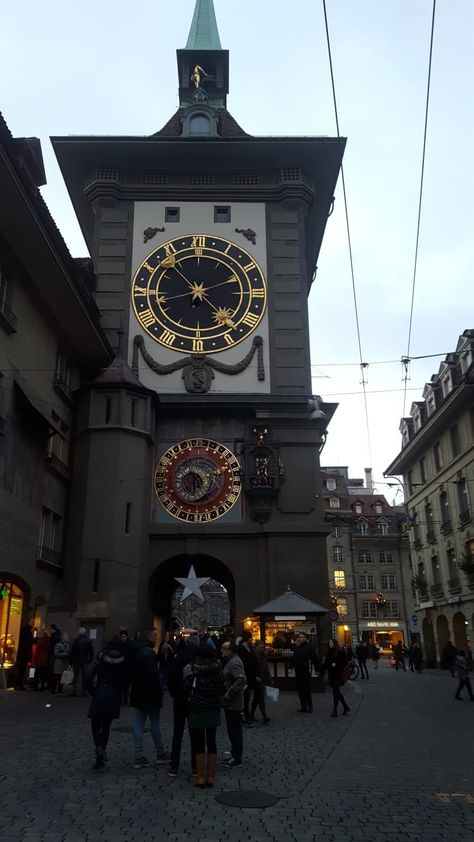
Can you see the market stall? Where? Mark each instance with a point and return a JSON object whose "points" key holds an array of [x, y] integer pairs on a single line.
{"points": [[277, 624]]}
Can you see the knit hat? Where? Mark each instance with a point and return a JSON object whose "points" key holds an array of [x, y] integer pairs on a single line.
{"points": [[82, 630]]}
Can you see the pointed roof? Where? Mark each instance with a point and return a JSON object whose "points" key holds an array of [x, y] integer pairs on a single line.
{"points": [[290, 603], [204, 34]]}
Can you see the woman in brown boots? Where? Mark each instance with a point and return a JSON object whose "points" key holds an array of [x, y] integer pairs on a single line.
{"points": [[205, 688]]}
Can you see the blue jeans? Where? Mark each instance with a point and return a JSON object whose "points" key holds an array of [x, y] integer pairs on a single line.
{"points": [[139, 727]]}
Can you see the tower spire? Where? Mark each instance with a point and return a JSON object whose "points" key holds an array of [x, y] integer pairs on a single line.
{"points": [[204, 34]]}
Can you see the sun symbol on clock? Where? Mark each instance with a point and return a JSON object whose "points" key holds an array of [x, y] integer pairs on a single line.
{"points": [[223, 316]]}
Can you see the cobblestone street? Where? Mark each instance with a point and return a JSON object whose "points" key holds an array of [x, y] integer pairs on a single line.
{"points": [[399, 767]]}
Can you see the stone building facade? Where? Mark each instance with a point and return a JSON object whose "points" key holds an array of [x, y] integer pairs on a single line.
{"points": [[437, 464]]}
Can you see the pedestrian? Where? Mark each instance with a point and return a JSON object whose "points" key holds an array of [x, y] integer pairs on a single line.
{"points": [[375, 655], [335, 665], [125, 647], [234, 686], [40, 660], [417, 657], [448, 658], [205, 687], [398, 655], [62, 651], [185, 653], [205, 637], [147, 698], [462, 668], [24, 653], [301, 662], [411, 663], [54, 637], [248, 657], [259, 697], [165, 658], [82, 655], [361, 655], [105, 681]]}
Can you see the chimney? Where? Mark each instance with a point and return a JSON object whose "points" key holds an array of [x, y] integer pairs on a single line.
{"points": [[368, 479]]}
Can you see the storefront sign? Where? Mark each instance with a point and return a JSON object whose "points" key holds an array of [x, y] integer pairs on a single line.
{"points": [[389, 624], [290, 617], [15, 605]]}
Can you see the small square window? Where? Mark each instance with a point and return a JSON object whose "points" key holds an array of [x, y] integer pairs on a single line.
{"points": [[171, 214], [221, 213]]}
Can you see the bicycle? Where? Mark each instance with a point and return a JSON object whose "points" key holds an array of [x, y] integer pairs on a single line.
{"points": [[354, 670]]}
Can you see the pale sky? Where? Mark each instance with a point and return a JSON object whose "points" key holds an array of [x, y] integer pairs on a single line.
{"points": [[108, 67]]}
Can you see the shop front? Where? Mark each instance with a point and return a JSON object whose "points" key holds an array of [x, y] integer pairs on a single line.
{"points": [[277, 624], [385, 633], [12, 602]]}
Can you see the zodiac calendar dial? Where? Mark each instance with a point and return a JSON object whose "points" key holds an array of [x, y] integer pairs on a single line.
{"points": [[199, 294], [198, 480]]}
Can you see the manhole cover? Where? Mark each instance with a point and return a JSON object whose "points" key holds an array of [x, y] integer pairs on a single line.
{"points": [[247, 798]]}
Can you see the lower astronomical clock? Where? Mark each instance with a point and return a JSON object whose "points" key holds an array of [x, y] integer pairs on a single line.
{"points": [[198, 480]]}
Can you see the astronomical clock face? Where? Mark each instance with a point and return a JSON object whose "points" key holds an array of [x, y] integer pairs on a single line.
{"points": [[198, 480], [199, 294]]}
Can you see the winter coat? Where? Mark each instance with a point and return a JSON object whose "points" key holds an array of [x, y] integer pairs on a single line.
{"points": [[61, 657], [146, 693], [106, 681], [205, 687], [335, 664], [263, 669], [448, 657], [248, 656], [462, 666], [234, 683], [25, 644], [303, 658], [362, 652], [82, 651], [176, 687], [41, 652]]}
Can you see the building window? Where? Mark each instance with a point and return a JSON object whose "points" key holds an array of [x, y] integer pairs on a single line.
{"points": [[363, 527], [378, 508], [445, 512], [447, 384], [438, 456], [454, 439], [63, 370], [373, 609], [453, 572], [395, 609], [388, 582], [199, 124], [96, 576], [336, 532], [337, 554], [430, 404], [463, 501], [221, 213], [429, 521], [417, 421], [435, 569], [358, 508], [365, 557], [341, 606], [339, 579], [385, 557], [331, 484], [334, 503], [382, 527], [365, 609], [422, 464], [366, 582], [172, 214]]}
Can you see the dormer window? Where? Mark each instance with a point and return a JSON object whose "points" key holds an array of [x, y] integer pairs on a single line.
{"points": [[199, 125], [378, 508], [430, 404], [331, 484], [447, 384], [417, 421], [334, 503], [358, 508]]}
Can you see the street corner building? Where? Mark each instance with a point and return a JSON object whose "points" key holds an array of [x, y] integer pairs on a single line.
{"points": [[156, 409], [437, 464]]}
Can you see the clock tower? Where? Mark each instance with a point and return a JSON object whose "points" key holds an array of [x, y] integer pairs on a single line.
{"points": [[200, 445]]}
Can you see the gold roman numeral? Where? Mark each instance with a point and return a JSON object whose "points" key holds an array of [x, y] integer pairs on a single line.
{"points": [[228, 339], [169, 249], [249, 267], [258, 293], [167, 338], [147, 318], [148, 267], [250, 319], [139, 291], [198, 345], [198, 242]]}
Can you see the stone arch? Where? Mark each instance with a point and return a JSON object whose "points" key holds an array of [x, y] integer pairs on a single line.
{"points": [[460, 630], [429, 644], [442, 633], [163, 584]]}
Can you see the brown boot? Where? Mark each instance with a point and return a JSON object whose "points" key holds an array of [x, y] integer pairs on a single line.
{"points": [[211, 768], [200, 770]]}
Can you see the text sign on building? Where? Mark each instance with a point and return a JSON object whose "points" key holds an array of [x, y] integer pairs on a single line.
{"points": [[290, 617], [378, 625]]}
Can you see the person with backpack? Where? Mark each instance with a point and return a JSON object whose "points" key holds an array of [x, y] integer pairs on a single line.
{"points": [[82, 654], [204, 689], [147, 698], [105, 682]]}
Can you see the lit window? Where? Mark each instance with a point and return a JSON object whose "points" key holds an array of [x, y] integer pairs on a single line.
{"points": [[334, 503], [341, 606], [339, 579]]}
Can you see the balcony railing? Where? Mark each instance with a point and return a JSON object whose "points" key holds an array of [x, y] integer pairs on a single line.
{"points": [[430, 536], [57, 466], [446, 527], [454, 585], [437, 590], [464, 517], [417, 543], [46, 555]]}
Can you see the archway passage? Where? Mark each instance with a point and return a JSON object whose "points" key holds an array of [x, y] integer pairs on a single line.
{"points": [[442, 632], [165, 590], [429, 643], [459, 629], [191, 613]]}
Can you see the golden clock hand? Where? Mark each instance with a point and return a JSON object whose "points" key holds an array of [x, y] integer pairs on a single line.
{"points": [[222, 316]]}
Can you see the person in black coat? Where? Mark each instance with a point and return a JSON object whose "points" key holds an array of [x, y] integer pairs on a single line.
{"points": [[24, 654], [303, 659], [184, 654], [335, 665], [147, 698], [248, 656], [105, 681], [362, 655]]}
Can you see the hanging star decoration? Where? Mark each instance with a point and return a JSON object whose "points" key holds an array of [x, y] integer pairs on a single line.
{"points": [[192, 585]]}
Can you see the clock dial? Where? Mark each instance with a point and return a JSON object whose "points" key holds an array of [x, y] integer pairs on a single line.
{"points": [[198, 480], [199, 294]]}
